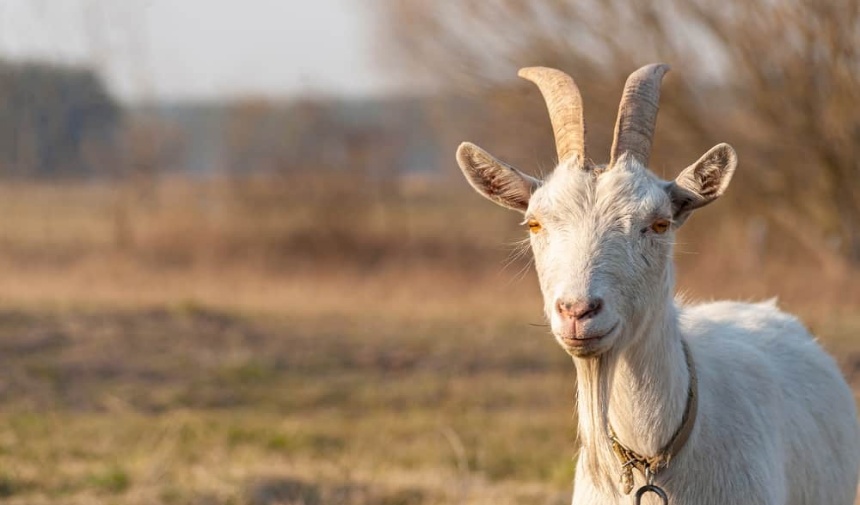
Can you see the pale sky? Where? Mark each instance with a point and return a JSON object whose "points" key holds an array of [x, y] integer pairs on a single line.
{"points": [[173, 49]]}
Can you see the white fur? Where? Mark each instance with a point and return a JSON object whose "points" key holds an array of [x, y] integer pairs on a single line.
{"points": [[776, 423]]}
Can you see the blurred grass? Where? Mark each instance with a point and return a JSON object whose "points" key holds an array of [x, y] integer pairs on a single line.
{"points": [[191, 406], [222, 241], [142, 405], [230, 346]]}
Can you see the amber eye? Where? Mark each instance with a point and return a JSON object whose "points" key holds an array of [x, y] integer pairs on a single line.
{"points": [[533, 225], [660, 226]]}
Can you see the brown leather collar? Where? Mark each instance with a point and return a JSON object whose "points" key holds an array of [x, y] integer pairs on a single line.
{"points": [[630, 459]]}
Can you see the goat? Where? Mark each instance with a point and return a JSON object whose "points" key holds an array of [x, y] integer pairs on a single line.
{"points": [[720, 403]]}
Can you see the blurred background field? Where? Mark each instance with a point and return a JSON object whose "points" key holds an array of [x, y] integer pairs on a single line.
{"points": [[240, 266]]}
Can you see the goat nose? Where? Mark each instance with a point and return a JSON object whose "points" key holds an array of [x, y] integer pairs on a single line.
{"points": [[582, 309]]}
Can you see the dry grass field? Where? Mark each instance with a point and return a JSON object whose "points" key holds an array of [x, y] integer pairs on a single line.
{"points": [[203, 345]]}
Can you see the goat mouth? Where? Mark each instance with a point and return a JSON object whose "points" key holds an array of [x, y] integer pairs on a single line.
{"points": [[583, 340]]}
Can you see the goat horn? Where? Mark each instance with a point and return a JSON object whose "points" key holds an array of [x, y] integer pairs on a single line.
{"points": [[637, 114], [564, 104]]}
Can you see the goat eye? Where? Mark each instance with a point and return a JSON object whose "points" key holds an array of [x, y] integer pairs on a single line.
{"points": [[533, 225], [660, 226]]}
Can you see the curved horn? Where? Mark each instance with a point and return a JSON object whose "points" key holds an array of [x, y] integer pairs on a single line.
{"points": [[637, 114], [564, 104]]}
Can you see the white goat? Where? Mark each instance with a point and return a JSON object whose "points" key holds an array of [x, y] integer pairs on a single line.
{"points": [[722, 403]]}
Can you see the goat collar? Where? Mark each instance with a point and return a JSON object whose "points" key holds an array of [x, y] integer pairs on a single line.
{"points": [[649, 466]]}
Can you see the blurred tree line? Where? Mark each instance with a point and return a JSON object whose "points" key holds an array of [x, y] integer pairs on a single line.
{"points": [[338, 158], [55, 121], [778, 80], [59, 121]]}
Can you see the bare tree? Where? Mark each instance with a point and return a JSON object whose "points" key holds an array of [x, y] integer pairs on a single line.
{"points": [[784, 76]]}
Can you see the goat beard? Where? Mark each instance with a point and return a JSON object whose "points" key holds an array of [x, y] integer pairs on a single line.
{"points": [[595, 377]]}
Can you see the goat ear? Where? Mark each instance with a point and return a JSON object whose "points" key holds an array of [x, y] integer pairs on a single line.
{"points": [[702, 182], [497, 181]]}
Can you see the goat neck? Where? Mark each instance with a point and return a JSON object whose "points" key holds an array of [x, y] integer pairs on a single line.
{"points": [[640, 389]]}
